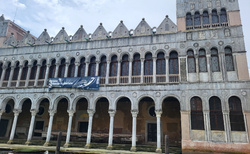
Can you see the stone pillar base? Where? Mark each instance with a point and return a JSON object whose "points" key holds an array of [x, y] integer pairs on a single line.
{"points": [[110, 147], [133, 149], [158, 150], [27, 143], [87, 146], [46, 144], [10, 142], [66, 145]]}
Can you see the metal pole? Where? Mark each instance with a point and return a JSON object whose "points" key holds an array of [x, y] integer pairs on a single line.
{"points": [[166, 145], [58, 143]]}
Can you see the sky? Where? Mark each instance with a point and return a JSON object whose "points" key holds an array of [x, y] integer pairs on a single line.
{"points": [[37, 15]]}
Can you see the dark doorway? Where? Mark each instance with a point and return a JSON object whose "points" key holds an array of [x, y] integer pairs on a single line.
{"points": [[152, 132], [83, 127], [3, 127], [39, 128]]}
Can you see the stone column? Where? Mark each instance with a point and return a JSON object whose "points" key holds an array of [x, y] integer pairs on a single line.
{"points": [[66, 69], [91, 114], [71, 114], [154, 69], [46, 76], [3, 75], [19, 75], [167, 69], [222, 65], [134, 115], [28, 76], [107, 72], [51, 116], [77, 64], [247, 123], [227, 126], [11, 76], [97, 68], [208, 68], [207, 125], [118, 71], [158, 116], [142, 69], [57, 69], [1, 113], [111, 127], [37, 74], [32, 121], [87, 69], [130, 70], [197, 67], [13, 129]]}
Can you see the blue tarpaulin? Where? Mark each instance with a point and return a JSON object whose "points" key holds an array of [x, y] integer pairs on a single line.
{"points": [[85, 83]]}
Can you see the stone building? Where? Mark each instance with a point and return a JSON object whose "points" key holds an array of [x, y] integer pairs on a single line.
{"points": [[188, 81]]}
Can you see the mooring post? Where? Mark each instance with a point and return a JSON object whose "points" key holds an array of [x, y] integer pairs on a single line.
{"points": [[166, 145], [58, 143]]}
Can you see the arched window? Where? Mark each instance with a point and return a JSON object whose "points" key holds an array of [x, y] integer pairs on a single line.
{"points": [[1, 69], [25, 71], [216, 116], [205, 18], [71, 71], [202, 61], [33, 70], [215, 60], [92, 67], [215, 18], [7, 72], [148, 64], [136, 65], [191, 62], [103, 66], [197, 120], [189, 20], [229, 59], [160, 64], [113, 66], [42, 70], [173, 63], [61, 70], [197, 19], [16, 71], [236, 115], [223, 16], [52, 69], [81, 69], [125, 66]]}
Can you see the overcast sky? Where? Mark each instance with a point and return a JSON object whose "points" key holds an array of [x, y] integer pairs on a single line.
{"points": [[36, 15]]}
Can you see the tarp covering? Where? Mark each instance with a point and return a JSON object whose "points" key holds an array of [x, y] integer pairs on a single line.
{"points": [[85, 83]]}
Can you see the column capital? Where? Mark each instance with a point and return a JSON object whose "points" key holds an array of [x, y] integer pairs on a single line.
{"points": [[57, 64], [38, 65], [52, 112], [98, 62], [134, 113], [225, 112], [48, 65], [112, 113], [206, 111], [158, 113], [142, 59], [91, 112], [1, 112], [71, 112], [29, 65], [20, 66], [17, 112], [154, 58], [167, 57], [4, 67], [130, 59], [33, 112], [77, 63]]}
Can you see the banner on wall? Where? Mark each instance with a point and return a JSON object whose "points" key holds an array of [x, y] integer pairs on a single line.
{"points": [[85, 83]]}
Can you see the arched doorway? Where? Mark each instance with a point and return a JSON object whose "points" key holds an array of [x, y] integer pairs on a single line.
{"points": [[171, 120]]}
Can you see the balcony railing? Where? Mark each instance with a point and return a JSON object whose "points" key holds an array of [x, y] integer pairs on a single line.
{"points": [[160, 78], [148, 79], [31, 83], [102, 80], [22, 83], [5, 83], [112, 80], [13, 83], [173, 78], [136, 79], [124, 79], [40, 82]]}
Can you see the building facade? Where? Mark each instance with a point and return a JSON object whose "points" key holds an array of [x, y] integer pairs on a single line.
{"points": [[188, 81]]}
